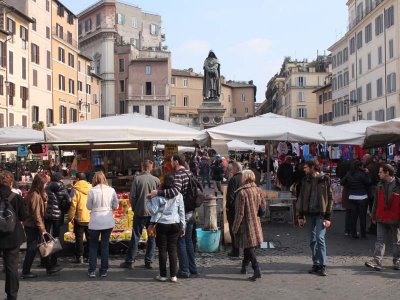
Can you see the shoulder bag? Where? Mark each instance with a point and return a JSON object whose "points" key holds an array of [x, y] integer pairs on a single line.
{"points": [[50, 246], [152, 229]]}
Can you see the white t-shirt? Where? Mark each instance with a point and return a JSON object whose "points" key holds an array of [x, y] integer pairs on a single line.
{"points": [[102, 199]]}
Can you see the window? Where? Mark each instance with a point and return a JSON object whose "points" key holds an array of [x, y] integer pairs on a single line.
{"points": [[352, 46], [34, 53], [359, 40], [47, 5], [11, 62], [59, 31], [148, 88], [334, 61], [242, 97], [23, 63], [369, 61], [121, 65], [73, 115], [1, 120], [88, 25], [122, 86], [49, 82], [71, 60], [360, 66], [345, 54], [161, 113], [11, 25], [352, 71], [34, 77], [11, 93], [80, 86], [246, 110], [301, 81], [95, 99], [11, 119], [391, 49], [88, 89], [389, 17], [134, 22], [391, 83], [339, 58], [98, 20], [61, 54], [359, 12], [24, 95], [369, 115], [48, 60], [71, 86], [359, 94], [380, 115], [153, 29], [79, 65], [379, 87], [234, 110], [60, 10], [185, 82], [340, 81], [1, 85], [63, 114], [61, 82], [368, 33], [24, 121], [34, 24], [301, 96], [302, 112], [47, 32], [135, 109], [148, 110], [35, 114], [148, 70], [120, 19], [185, 100], [80, 29], [69, 37], [379, 55], [346, 78], [369, 91], [173, 100], [391, 113], [70, 19], [49, 116], [379, 25], [3, 54], [24, 36]]}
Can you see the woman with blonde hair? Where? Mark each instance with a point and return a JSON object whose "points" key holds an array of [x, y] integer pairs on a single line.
{"points": [[102, 199], [247, 226]]}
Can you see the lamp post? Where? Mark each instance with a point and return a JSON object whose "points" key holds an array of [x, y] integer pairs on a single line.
{"points": [[359, 114]]}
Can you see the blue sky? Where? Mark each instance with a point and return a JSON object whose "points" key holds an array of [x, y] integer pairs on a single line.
{"points": [[250, 38]]}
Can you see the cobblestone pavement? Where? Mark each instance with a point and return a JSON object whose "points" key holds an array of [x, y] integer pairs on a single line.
{"points": [[284, 274]]}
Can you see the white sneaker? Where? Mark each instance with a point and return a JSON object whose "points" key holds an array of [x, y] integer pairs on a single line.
{"points": [[174, 279], [160, 278]]}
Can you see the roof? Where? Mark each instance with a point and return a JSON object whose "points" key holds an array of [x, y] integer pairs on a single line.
{"points": [[243, 84], [66, 8], [322, 88], [85, 56], [19, 13], [150, 59], [185, 73]]}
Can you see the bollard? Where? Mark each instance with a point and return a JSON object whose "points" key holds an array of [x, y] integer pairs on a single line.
{"points": [[210, 213]]}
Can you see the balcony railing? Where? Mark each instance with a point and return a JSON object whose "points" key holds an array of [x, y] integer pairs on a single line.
{"points": [[148, 98], [61, 35]]}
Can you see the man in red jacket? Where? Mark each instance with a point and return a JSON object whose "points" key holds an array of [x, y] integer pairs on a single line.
{"points": [[386, 214]]}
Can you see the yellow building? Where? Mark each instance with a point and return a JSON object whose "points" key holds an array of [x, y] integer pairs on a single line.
{"points": [[65, 64], [15, 58], [324, 103], [3, 70]]}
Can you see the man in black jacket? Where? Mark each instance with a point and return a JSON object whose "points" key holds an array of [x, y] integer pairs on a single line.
{"points": [[234, 183], [10, 242]]}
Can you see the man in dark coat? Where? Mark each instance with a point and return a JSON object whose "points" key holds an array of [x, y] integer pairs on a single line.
{"points": [[233, 185], [10, 242], [285, 174]]}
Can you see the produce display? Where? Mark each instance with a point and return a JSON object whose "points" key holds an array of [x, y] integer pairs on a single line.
{"points": [[123, 217]]}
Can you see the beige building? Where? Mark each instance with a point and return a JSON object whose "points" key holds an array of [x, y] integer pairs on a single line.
{"points": [[187, 96], [302, 78], [15, 58], [373, 60], [3, 74], [324, 102]]}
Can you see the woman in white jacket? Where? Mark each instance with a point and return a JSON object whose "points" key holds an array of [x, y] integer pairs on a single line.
{"points": [[102, 199]]}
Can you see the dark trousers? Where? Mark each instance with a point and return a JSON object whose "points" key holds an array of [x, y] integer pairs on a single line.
{"points": [[167, 241], [105, 249], [359, 210], [32, 238], [53, 227], [231, 219], [10, 257], [79, 230], [250, 257], [347, 221]]}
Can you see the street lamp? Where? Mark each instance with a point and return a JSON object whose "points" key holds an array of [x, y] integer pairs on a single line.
{"points": [[359, 114]]}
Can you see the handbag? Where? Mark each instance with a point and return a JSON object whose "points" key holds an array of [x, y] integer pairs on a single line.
{"points": [[50, 246], [152, 229]]}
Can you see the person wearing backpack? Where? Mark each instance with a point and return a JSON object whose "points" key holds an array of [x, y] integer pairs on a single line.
{"points": [[182, 178], [11, 232]]}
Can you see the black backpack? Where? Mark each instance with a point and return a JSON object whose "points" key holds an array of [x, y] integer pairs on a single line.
{"points": [[194, 195], [8, 217]]}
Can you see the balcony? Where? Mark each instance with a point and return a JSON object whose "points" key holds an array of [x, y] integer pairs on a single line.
{"points": [[61, 35], [363, 14], [148, 98]]}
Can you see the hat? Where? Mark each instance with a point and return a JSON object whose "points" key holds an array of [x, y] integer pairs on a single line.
{"points": [[217, 157], [56, 176]]}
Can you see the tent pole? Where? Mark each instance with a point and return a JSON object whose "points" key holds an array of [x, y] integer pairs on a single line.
{"points": [[267, 145]]}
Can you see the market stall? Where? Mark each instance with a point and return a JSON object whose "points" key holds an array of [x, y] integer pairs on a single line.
{"points": [[382, 134]]}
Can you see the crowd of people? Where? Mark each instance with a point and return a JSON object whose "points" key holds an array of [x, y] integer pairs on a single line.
{"points": [[164, 209]]}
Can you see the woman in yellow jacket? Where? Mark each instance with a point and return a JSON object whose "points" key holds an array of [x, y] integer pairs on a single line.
{"points": [[79, 215]]}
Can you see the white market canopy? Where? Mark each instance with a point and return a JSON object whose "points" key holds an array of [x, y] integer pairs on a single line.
{"points": [[238, 146], [382, 134], [272, 127], [358, 126], [125, 128], [18, 135]]}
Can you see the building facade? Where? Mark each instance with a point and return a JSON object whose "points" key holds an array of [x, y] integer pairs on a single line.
{"points": [[187, 96], [324, 103], [107, 25]]}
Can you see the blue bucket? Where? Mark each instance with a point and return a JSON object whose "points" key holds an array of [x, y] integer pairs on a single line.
{"points": [[208, 241]]}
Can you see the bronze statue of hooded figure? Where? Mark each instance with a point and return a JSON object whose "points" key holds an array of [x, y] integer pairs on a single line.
{"points": [[211, 80]]}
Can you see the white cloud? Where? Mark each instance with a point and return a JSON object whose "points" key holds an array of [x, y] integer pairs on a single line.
{"points": [[254, 46], [195, 47]]}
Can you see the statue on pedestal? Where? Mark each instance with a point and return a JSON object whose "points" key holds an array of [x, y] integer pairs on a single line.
{"points": [[212, 78]]}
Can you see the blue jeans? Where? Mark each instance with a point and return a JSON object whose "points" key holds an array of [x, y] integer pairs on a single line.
{"points": [[317, 240], [105, 248], [138, 223], [187, 263]]}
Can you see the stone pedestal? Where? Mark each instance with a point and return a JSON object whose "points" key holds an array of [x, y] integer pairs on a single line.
{"points": [[211, 113]]}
